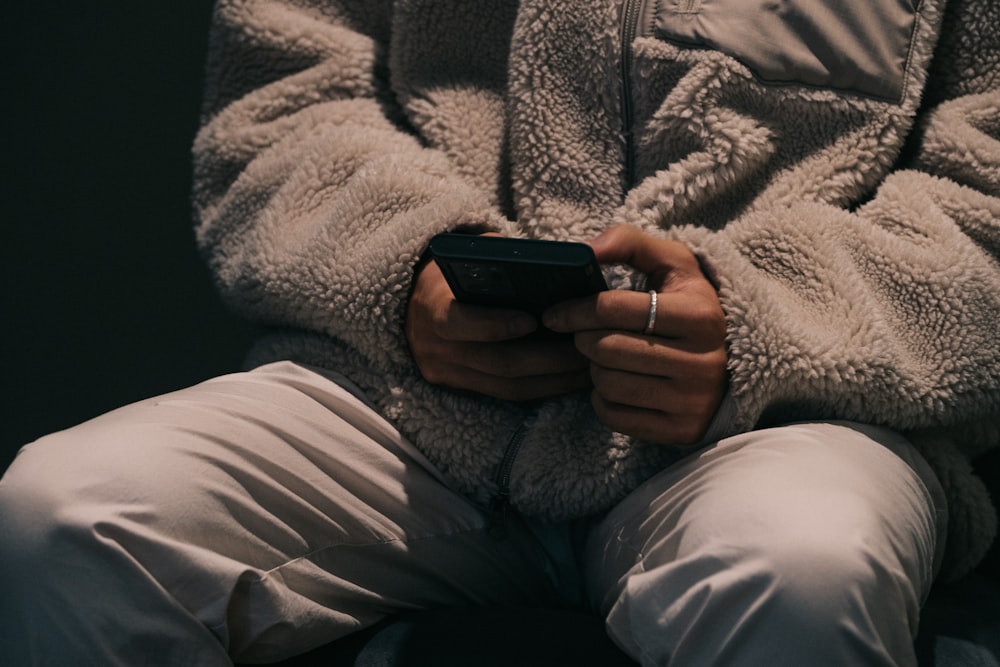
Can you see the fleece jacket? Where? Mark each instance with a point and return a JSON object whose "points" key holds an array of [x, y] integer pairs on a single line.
{"points": [[834, 166]]}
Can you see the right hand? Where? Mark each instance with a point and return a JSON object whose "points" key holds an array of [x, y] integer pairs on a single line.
{"points": [[483, 350]]}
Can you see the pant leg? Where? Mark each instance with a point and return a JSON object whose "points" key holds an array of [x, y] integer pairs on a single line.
{"points": [[812, 544], [252, 517]]}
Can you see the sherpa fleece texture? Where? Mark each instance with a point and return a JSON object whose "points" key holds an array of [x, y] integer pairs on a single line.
{"points": [[340, 135]]}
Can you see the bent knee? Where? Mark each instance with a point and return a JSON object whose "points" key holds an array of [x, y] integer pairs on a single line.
{"points": [[820, 580], [63, 496], [823, 602], [47, 513]]}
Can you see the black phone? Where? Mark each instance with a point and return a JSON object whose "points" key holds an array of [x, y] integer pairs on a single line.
{"points": [[526, 274]]}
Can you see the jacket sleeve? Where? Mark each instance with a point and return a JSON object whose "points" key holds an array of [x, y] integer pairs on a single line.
{"points": [[314, 197], [887, 313]]}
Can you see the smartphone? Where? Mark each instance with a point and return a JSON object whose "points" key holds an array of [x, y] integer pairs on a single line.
{"points": [[526, 274]]}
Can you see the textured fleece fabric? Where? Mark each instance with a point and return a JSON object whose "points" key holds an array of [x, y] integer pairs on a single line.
{"points": [[854, 237]]}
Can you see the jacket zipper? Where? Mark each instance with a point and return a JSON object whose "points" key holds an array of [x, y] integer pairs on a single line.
{"points": [[501, 501], [633, 14]]}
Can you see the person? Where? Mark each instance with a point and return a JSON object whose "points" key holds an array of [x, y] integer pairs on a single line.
{"points": [[768, 463]]}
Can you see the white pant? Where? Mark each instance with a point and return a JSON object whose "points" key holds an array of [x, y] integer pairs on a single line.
{"points": [[261, 514]]}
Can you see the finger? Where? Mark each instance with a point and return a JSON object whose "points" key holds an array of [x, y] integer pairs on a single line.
{"points": [[681, 394], [632, 353], [612, 309], [520, 359], [636, 390], [513, 389], [463, 322], [454, 321], [650, 355], [666, 428], [655, 257], [678, 314], [441, 361]]}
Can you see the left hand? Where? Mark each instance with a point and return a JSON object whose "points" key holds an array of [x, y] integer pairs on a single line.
{"points": [[484, 349], [664, 387]]}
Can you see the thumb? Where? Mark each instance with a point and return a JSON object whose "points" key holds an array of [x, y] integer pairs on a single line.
{"points": [[659, 259]]}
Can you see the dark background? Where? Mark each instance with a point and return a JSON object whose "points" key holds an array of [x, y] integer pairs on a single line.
{"points": [[103, 299]]}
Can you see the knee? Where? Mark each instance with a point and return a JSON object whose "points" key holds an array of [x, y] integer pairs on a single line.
{"points": [[64, 500], [837, 595], [819, 600], [43, 555], [45, 522], [817, 581], [44, 549], [82, 559]]}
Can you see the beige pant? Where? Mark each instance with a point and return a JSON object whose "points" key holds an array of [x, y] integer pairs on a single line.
{"points": [[261, 514]]}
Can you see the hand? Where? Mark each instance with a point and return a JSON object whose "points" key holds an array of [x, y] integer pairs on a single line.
{"points": [[483, 350], [664, 387]]}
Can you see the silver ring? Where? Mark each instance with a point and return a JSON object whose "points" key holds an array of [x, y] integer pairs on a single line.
{"points": [[651, 322]]}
